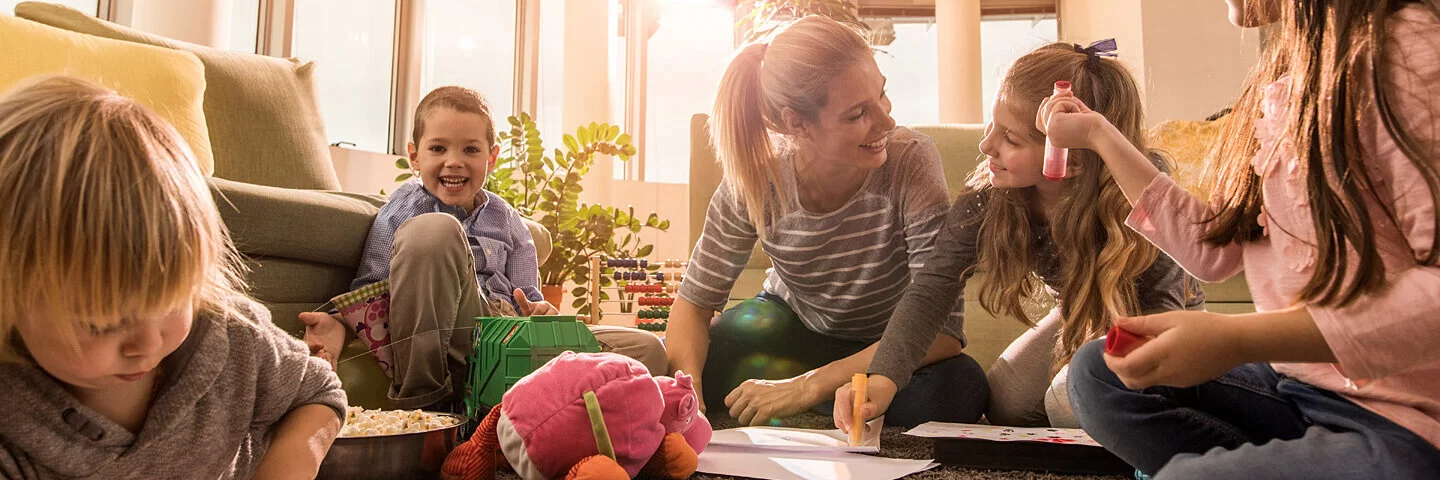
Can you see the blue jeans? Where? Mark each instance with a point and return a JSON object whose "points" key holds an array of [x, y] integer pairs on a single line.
{"points": [[1249, 423], [762, 338]]}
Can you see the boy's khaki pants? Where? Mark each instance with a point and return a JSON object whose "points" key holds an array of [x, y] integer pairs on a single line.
{"points": [[434, 299]]}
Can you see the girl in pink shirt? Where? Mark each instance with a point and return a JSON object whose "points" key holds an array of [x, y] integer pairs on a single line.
{"points": [[1326, 194]]}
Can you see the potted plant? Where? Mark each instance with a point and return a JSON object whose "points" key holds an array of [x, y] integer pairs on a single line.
{"points": [[546, 188]]}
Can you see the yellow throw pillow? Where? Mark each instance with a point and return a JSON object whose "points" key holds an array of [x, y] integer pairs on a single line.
{"points": [[169, 82], [263, 112]]}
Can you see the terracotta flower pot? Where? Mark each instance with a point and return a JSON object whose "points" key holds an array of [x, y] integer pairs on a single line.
{"points": [[553, 294]]}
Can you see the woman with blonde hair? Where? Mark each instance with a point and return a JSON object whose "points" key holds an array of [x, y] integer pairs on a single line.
{"points": [[1026, 233], [126, 346], [846, 204]]}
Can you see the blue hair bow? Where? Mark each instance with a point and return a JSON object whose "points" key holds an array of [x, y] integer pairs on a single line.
{"points": [[1097, 49]]}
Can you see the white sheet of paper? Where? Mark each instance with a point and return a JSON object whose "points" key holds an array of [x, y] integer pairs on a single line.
{"points": [[1070, 436], [758, 462], [800, 439]]}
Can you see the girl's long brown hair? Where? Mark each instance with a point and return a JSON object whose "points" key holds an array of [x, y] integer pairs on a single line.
{"points": [[1335, 53], [1100, 256]]}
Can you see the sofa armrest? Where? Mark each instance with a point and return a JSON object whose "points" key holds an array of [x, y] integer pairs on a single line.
{"points": [[312, 225]]}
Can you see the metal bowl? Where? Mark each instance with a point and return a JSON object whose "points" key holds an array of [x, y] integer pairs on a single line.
{"points": [[403, 455]]}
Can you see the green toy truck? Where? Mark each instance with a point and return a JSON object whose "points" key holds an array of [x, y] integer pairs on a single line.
{"points": [[509, 348]]}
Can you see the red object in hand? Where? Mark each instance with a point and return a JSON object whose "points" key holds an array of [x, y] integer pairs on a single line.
{"points": [[1119, 342]]}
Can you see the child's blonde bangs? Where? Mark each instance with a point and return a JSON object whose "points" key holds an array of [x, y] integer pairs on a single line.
{"points": [[103, 214]]}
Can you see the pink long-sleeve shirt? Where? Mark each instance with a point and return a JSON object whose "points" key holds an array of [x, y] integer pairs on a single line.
{"points": [[1387, 343]]}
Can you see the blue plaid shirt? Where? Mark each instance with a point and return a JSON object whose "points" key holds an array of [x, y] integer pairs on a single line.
{"points": [[503, 249]]}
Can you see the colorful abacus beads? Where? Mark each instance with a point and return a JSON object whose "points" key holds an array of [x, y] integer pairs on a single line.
{"points": [[653, 326], [627, 263], [653, 313], [644, 288], [655, 301], [670, 276]]}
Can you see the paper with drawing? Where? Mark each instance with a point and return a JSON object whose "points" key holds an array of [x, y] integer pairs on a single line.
{"points": [[1069, 436]]}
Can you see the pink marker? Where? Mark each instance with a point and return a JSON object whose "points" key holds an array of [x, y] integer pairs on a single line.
{"points": [[1056, 157]]}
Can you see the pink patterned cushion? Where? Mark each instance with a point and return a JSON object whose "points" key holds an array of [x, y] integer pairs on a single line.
{"points": [[366, 310]]}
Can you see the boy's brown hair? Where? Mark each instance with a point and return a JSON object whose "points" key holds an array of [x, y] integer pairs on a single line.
{"points": [[459, 99]]}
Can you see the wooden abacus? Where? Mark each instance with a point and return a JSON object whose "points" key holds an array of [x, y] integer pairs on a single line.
{"points": [[634, 276]]}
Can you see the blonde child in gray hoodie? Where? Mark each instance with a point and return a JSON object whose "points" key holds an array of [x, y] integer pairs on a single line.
{"points": [[126, 347]]}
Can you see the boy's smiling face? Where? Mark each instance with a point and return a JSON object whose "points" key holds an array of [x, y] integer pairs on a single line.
{"points": [[454, 157]]}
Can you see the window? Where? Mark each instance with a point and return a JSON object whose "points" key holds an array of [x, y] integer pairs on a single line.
{"points": [[244, 24], [353, 50], [617, 74], [686, 57], [909, 63], [686, 46], [549, 112], [471, 43], [1006, 38]]}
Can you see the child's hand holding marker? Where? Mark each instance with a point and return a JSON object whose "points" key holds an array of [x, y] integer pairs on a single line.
{"points": [[863, 399], [1121, 341]]}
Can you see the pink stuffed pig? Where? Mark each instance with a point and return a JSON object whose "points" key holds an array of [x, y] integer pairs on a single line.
{"points": [[588, 415]]}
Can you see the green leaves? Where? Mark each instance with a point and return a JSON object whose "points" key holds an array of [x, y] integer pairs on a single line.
{"points": [[546, 186], [403, 165]]}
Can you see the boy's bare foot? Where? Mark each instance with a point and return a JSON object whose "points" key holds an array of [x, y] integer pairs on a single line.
{"points": [[325, 335]]}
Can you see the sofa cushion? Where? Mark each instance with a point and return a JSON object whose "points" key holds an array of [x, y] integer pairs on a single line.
{"points": [[315, 226], [169, 82], [959, 146], [284, 280], [263, 113]]}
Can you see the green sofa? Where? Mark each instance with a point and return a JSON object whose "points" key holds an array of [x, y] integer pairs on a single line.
{"points": [[987, 334]]}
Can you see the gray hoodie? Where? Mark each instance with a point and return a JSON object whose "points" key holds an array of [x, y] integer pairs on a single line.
{"points": [[223, 390]]}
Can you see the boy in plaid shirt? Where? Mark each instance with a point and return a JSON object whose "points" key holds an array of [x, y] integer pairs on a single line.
{"points": [[452, 252]]}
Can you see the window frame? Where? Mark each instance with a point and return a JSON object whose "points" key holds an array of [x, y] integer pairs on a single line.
{"points": [[275, 37], [633, 22]]}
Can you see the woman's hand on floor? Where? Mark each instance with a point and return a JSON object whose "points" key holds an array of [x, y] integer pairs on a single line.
{"points": [[879, 393], [756, 402]]}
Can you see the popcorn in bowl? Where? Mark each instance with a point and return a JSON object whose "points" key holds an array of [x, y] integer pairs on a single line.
{"points": [[360, 422]]}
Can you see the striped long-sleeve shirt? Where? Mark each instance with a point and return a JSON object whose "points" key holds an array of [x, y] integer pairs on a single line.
{"points": [[843, 271]]}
